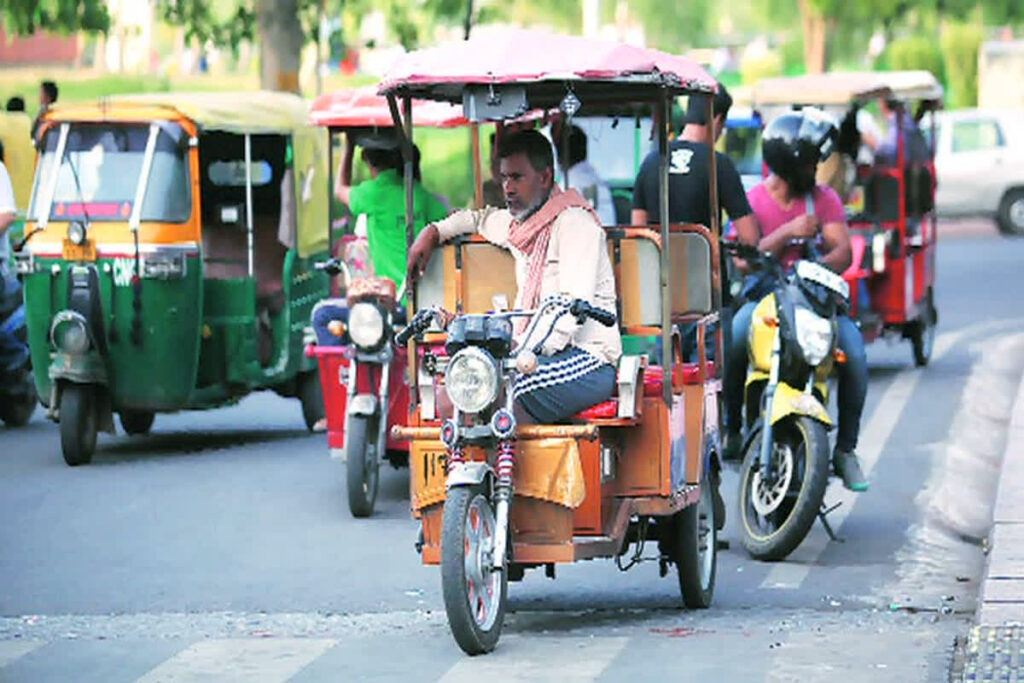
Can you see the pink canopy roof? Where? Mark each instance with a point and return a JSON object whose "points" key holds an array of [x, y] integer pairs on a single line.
{"points": [[363, 107], [522, 56]]}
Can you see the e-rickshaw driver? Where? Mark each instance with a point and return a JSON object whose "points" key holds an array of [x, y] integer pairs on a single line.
{"points": [[542, 226]]}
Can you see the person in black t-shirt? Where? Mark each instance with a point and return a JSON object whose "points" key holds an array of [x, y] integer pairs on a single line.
{"points": [[689, 198]]}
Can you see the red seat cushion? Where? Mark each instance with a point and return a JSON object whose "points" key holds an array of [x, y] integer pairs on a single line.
{"points": [[609, 410], [653, 376]]}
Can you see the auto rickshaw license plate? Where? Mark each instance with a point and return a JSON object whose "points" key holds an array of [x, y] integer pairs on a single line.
{"points": [[79, 252]]}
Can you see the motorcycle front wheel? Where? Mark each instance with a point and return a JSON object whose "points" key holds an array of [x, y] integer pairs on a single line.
{"points": [[362, 465], [777, 515], [475, 592]]}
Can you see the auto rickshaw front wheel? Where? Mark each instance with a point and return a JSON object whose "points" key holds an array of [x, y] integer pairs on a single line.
{"points": [[136, 422], [474, 590], [78, 423]]}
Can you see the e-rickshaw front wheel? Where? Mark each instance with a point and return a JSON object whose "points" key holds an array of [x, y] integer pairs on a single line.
{"points": [[475, 591], [78, 423]]}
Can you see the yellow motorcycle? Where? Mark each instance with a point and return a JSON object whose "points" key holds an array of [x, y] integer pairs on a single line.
{"points": [[792, 350]]}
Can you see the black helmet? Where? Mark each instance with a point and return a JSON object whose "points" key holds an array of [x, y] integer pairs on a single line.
{"points": [[794, 143]]}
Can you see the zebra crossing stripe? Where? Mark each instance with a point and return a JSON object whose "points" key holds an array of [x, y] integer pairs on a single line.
{"points": [[264, 660], [518, 658], [11, 650]]}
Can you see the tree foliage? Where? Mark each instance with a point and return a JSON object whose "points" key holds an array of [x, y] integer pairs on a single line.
{"points": [[25, 17]]}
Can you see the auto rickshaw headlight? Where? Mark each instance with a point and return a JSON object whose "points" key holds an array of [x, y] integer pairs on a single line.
{"points": [[69, 332], [471, 380], [366, 325], [814, 334], [76, 233]]}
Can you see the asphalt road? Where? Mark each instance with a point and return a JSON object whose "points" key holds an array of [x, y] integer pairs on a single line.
{"points": [[221, 546]]}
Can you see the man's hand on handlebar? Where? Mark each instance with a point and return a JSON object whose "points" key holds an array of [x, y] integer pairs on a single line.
{"points": [[419, 252]]}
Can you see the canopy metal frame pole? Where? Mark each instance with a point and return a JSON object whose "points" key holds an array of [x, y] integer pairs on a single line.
{"points": [[248, 202], [661, 120], [478, 187], [43, 216], [331, 132], [715, 227], [403, 126]]}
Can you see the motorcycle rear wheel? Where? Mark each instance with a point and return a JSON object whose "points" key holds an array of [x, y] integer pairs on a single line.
{"points": [[475, 593], [774, 535]]}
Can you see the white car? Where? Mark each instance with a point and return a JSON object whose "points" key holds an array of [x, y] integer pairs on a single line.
{"points": [[979, 161]]}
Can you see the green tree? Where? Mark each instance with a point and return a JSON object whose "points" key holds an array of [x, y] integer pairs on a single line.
{"points": [[25, 17]]}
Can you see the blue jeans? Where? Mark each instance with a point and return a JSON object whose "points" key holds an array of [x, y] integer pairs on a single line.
{"points": [[853, 376]]}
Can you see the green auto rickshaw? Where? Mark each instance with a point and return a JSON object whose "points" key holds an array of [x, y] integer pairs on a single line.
{"points": [[170, 257]]}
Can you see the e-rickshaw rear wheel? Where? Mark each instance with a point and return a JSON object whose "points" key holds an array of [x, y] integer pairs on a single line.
{"points": [[312, 398], [696, 548], [78, 423], [475, 592], [922, 333], [136, 422]]}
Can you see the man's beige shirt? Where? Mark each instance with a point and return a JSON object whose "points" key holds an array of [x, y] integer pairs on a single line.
{"points": [[576, 265]]}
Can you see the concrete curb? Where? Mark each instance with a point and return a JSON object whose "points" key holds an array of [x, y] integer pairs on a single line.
{"points": [[1002, 589]]}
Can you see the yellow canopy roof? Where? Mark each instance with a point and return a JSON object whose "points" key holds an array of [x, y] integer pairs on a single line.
{"points": [[847, 87], [19, 154], [260, 111]]}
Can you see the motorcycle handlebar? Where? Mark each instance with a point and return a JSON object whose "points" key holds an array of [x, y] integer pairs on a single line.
{"points": [[581, 309], [419, 323]]}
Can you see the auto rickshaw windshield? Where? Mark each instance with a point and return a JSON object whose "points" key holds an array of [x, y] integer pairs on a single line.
{"points": [[102, 167]]}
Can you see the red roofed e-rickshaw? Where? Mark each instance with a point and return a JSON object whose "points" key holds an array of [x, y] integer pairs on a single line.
{"points": [[363, 375], [496, 498]]}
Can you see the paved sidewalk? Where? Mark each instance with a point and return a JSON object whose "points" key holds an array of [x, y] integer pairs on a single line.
{"points": [[995, 648]]}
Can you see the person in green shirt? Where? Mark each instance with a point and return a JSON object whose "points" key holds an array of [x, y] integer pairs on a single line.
{"points": [[382, 199]]}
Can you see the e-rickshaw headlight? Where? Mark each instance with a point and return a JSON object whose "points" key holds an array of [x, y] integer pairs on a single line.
{"points": [[69, 333], [76, 233], [366, 325], [471, 380], [814, 334]]}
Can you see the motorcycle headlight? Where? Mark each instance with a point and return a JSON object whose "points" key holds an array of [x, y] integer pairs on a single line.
{"points": [[814, 334], [68, 333], [366, 325], [471, 380]]}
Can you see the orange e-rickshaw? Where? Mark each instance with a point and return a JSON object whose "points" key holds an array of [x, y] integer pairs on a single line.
{"points": [[494, 497]]}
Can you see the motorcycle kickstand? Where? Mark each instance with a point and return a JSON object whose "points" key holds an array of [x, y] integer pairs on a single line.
{"points": [[823, 516]]}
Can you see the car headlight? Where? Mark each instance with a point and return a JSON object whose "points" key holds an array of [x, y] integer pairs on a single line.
{"points": [[814, 334], [69, 333], [366, 325], [76, 233], [471, 380]]}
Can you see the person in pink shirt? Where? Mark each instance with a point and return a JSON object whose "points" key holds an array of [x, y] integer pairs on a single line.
{"points": [[790, 210]]}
